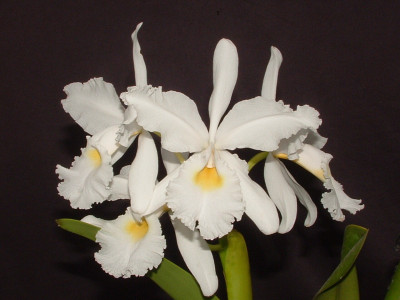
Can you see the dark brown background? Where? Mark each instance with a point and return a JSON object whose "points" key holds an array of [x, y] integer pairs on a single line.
{"points": [[342, 59]]}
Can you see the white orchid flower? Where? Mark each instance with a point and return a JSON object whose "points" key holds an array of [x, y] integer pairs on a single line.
{"points": [[303, 149], [138, 183], [212, 188], [96, 107], [128, 247]]}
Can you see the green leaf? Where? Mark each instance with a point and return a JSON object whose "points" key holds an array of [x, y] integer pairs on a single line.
{"points": [[236, 267], [393, 292], [175, 281], [78, 227], [343, 282]]}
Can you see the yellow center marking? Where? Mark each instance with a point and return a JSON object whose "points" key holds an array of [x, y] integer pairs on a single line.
{"points": [[94, 156], [137, 230], [208, 179]]}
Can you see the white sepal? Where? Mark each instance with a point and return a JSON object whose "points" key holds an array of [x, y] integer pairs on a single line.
{"points": [[94, 105], [261, 124], [280, 192], [197, 256], [138, 60], [225, 72], [302, 195], [271, 75], [143, 173]]}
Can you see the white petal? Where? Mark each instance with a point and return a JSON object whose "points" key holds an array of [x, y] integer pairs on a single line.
{"points": [[281, 193], [127, 249], [259, 207], [172, 114], [197, 256], [225, 72], [94, 105], [271, 75], [317, 162], [138, 60], [87, 181], [143, 173], [302, 195], [261, 124], [336, 200], [209, 203]]}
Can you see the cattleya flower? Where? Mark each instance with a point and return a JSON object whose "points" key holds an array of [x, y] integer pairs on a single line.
{"points": [[303, 149], [96, 107], [128, 247], [212, 188]]}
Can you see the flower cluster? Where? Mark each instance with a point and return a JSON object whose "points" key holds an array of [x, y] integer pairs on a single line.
{"points": [[207, 187]]}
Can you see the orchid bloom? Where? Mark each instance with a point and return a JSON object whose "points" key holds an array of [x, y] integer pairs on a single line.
{"points": [[128, 247], [138, 183], [303, 149], [212, 188], [95, 106]]}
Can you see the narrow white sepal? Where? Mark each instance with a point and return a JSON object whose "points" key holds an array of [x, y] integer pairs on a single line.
{"points": [[197, 256], [302, 195], [143, 173], [281, 193], [138, 60], [271, 75], [225, 72], [94, 105]]}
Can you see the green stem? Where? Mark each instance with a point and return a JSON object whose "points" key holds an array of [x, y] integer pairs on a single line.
{"points": [[216, 247], [393, 292], [256, 159], [236, 267]]}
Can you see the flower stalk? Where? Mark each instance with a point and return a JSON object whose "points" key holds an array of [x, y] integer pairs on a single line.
{"points": [[236, 267]]}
